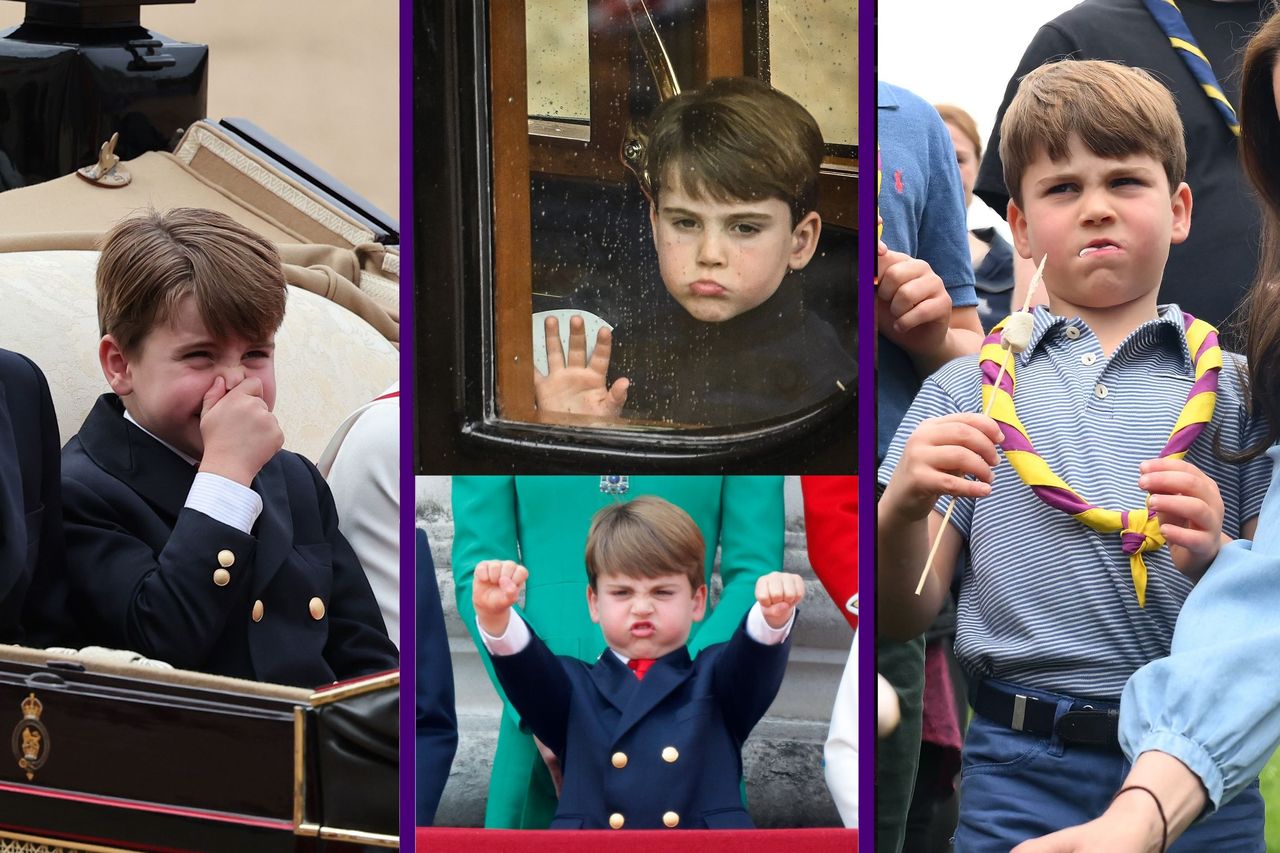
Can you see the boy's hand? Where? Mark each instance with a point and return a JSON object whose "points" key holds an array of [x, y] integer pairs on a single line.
{"points": [[239, 432], [778, 594], [913, 308], [937, 458], [495, 587], [575, 385], [1190, 510]]}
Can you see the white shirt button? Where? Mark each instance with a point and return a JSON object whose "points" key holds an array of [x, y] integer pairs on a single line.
{"points": [[1071, 332], [1100, 391], [1088, 358]]}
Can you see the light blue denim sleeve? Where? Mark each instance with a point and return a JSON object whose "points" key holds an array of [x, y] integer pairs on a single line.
{"points": [[1214, 702]]}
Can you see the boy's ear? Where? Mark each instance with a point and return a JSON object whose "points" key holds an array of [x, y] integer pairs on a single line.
{"points": [[115, 366], [653, 223], [1018, 228], [592, 604], [699, 602], [1181, 214], [804, 240]]}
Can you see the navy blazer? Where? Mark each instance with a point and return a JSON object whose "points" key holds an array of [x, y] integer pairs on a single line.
{"points": [[665, 751], [437, 729], [32, 585], [144, 570]]}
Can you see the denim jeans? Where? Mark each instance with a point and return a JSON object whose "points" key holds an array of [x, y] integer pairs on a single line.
{"points": [[1015, 786]]}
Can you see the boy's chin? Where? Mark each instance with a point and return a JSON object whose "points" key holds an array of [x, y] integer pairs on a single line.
{"points": [[712, 310]]}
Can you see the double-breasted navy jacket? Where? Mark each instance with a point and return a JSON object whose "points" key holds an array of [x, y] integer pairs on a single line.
{"points": [[292, 604], [32, 597], [665, 751]]}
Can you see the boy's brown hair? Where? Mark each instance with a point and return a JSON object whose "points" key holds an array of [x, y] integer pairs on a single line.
{"points": [[735, 139], [1116, 111], [151, 261], [645, 537]]}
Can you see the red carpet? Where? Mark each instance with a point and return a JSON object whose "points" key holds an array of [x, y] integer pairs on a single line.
{"points": [[448, 840]]}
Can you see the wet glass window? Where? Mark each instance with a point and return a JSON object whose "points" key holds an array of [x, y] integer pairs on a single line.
{"points": [[673, 285]]}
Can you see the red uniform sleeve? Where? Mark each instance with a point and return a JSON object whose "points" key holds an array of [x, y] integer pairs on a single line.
{"points": [[831, 531]]}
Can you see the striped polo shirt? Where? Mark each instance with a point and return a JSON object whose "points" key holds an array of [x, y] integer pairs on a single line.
{"points": [[1045, 601]]}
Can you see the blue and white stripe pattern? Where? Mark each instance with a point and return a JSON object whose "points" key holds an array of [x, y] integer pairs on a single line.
{"points": [[1045, 601]]}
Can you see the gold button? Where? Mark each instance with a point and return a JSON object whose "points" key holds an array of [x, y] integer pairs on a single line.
{"points": [[317, 608], [671, 819], [616, 820], [619, 760], [221, 577], [226, 559], [670, 754], [257, 610]]}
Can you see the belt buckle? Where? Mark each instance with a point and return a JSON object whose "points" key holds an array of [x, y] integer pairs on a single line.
{"points": [[1019, 712]]}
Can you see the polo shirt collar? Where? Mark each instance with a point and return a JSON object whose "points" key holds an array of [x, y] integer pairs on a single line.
{"points": [[1151, 333]]}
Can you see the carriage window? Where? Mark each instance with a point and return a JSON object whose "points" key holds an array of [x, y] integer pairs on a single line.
{"points": [[705, 306], [556, 38], [810, 57]]}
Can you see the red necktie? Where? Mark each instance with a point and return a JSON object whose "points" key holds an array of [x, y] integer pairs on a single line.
{"points": [[640, 666]]}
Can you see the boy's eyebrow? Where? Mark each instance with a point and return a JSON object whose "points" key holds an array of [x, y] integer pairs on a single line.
{"points": [[744, 214]]}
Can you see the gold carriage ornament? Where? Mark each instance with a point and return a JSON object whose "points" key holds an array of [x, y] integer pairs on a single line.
{"points": [[30, 738]]}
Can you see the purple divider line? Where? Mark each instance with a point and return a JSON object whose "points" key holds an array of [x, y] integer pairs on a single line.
{"points": [[408, 612], [866, 422]]}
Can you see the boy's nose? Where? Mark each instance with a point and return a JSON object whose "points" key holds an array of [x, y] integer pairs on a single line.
{"points": [[233, 375], [1096, 207], [710, 249]]}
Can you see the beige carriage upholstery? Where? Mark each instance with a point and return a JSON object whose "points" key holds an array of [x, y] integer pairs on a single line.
{"points": [[329, 361], [324, 249]]}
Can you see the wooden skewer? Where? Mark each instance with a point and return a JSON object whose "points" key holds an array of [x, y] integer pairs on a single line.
{"points": [[986, 410]]}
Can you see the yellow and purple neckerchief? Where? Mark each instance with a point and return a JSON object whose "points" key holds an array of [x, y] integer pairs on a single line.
{"points": [[1139, 530]]}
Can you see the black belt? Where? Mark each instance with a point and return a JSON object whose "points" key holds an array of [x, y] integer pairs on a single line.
{"points": [[1086, 723]]}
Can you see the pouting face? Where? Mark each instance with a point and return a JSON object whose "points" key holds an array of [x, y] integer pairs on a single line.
{"points": [[721, 259], [163, 383], [646, 617], [1105, 223]]}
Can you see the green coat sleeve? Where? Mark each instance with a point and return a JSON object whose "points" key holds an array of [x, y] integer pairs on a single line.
{"points": [[484, 528], [751, 542]]}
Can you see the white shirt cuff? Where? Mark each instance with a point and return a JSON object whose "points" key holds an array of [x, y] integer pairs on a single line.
{"points": [[512, 641], [225, 500], [760, 630]]}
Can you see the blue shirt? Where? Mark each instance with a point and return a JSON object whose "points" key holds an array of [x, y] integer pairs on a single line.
{"points": [[1214, 702], [1045, 601], [922, 202]]}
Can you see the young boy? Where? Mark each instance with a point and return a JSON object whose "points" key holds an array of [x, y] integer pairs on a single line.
{"points": [[191, 536], [731, 174], [647, 738], [1054, 616]]}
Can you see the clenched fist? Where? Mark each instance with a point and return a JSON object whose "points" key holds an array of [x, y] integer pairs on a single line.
{"points": [[495, 587], [778, 594]]}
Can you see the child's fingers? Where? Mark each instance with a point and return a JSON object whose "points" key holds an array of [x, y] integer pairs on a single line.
{"points": [[1178, 483], [603, 350], [929, 310], [959, 448], [216, 392], [618, 391], [555, 352], [1185, 511], [894, 267], [1192, 539], [987, 426], [577, 342]]}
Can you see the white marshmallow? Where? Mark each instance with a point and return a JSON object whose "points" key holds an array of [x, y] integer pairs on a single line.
{"points": [[1016, 334]]}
